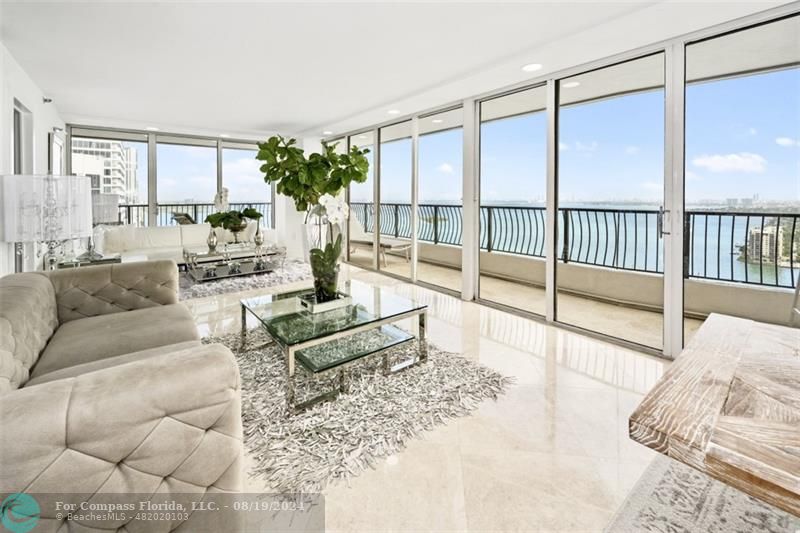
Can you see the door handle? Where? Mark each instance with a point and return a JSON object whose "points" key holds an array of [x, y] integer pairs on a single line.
{"points": [[660, 221]]}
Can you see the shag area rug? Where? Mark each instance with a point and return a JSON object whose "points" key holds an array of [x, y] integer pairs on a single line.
{"points": [[292, 271], [671, 497], [376, 417]]}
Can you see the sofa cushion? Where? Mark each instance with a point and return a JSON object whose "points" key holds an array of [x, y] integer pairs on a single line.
{"points": [[77, 370], [99, 337], [102, 289], [28, 318], [121, 238], [174, 253]]}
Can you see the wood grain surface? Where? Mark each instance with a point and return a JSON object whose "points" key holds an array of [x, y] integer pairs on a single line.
{"points": [[729, 406]]}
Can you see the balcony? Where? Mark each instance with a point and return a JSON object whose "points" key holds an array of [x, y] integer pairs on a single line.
{"points": [[610, 261]]}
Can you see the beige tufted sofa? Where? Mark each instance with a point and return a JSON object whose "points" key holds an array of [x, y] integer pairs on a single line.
{"points": [[105, 387]]}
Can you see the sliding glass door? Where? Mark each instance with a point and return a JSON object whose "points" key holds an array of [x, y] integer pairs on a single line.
{"points": [[610, 181], [394, 239], [513, 186], [361, 225], [742, 188], [440, 214]]}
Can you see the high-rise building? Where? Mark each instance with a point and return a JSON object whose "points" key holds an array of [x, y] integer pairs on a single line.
{"points": [[766, 245], [111, 165]]}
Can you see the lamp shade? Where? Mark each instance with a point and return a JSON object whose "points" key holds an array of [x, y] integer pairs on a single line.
{"points": [[45, 208]]}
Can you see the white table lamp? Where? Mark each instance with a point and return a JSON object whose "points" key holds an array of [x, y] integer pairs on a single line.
{"points": [[45, 209]]}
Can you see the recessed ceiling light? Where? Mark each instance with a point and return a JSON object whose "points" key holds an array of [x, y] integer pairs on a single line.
{"points": [[571, 84], [362, 136], [327, 132], [437, 121], [394, 111], [151, 128], [532, 67], [224, 135]]}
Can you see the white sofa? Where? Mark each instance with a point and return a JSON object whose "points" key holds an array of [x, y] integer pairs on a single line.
{"points": [[134, 243]]}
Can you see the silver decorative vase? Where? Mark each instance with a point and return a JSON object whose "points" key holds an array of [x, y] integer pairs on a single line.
{"points": [[212, 240], [258, 238]]}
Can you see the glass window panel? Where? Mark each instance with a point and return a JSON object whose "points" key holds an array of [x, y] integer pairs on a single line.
{"points": [[439, 223], [245, 182], [513, 185], [395, 195], [610, 188], [186, 181], [742, 174], [123, 164], [362, 209]]}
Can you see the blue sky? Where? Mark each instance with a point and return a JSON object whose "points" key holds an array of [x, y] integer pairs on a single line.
{"points": [[190, 173], [742, 139]]}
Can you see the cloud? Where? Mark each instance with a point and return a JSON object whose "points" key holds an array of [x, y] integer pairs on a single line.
{"points": [[563, 146], [445, 168], [752, 131], [691, 176], [632, 150], [586, 147], [745, 162], [653, 186], [787, 141]]}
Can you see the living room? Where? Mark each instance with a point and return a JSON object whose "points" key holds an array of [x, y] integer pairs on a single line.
{"points": [[400, 266]]}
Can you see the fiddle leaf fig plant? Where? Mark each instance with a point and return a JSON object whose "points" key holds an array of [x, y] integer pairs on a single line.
{"points": [[315, 183], [306, 179]]}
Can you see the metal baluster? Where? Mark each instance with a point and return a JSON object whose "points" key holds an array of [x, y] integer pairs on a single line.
{"points": [[489, 232], [719, 243], [705, 246], [791, 250], [597, 234], [565, 242], [435, 224], [396, 220], [646, 239], [746, 239], [635, 238], [625, 233], [733, 231], [761, 253], [777, 238]]}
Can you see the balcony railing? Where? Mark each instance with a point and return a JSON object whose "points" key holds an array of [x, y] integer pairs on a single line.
{"points": [[137, 214], [754, 248]]}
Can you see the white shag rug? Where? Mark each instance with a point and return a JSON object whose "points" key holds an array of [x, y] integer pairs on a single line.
{"points": [[339, 439]]}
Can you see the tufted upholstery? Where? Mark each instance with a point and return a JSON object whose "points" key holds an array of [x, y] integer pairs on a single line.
{"points": [[103, 289], [100, 416], [101, 432], [27, 321], [99, 337]]}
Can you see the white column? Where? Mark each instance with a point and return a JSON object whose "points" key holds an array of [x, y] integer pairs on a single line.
{"points": [[673, 199], [551, 250], [470, 202]]}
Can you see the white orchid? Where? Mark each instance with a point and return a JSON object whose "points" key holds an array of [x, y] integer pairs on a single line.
{"points": [[333, 208], [221, 200]]}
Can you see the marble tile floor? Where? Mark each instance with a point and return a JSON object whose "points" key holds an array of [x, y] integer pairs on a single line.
{"points": [[551, 455], [624, 322]]}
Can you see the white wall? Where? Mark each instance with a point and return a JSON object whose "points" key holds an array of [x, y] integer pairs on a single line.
{"points": [[16, 84]]}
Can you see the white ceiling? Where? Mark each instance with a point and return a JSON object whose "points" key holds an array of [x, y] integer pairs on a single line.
{"points": [[246, 69]]}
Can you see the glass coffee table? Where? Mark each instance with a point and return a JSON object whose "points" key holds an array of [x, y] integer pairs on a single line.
{"points": [[330, 341]]}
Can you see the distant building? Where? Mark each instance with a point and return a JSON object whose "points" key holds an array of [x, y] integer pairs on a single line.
{"points": [[765, 246], [111, 166]]}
